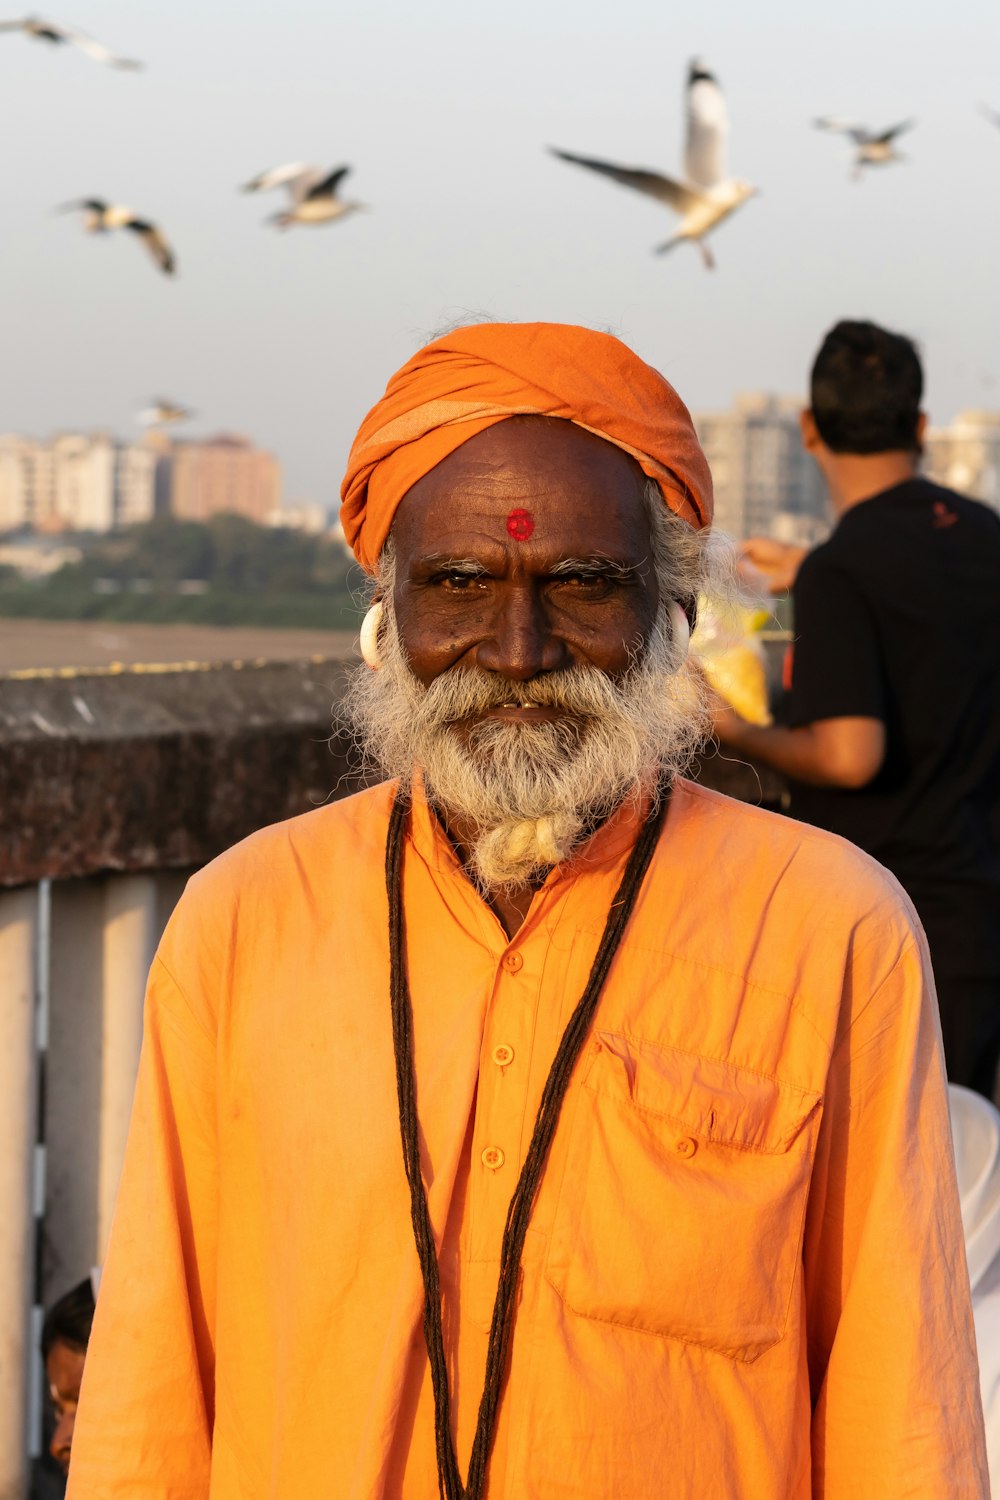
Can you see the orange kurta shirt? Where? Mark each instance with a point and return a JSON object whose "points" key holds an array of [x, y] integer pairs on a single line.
{"points": [[744, 1276]]}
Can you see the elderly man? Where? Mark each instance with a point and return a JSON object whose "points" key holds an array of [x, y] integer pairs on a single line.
{"points": [[535, 1123]]}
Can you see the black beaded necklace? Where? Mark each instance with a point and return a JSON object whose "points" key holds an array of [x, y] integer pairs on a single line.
{"points": [[450, 1485]]}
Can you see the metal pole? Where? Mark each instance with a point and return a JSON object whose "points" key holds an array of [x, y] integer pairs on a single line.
{"points": [[43, 970], [130, 936], [18, 1130]]}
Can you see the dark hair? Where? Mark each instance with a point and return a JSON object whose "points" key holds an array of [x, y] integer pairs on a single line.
{"points": [[70, 1319], [866, 389]]}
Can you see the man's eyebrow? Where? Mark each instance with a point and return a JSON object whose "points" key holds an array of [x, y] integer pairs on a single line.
{"points": [[443, 562], [594, 567]]}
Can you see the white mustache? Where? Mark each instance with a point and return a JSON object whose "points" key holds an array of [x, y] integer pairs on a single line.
{"points": [[580, 692]]}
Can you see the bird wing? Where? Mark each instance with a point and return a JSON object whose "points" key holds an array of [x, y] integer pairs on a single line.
{"points": [[117, 216], [290, 175], [654, 184], [858, 133], [707, 129], [154, 243], [326, 186], [161, 410], [93, 48], [13, 25], [885, 136]]}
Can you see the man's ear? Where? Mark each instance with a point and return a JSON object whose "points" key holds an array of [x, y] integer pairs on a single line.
{"points": [[811, 439], [921, 432]]}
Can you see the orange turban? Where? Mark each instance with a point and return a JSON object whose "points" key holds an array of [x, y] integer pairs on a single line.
{"points": [[472, 378]]}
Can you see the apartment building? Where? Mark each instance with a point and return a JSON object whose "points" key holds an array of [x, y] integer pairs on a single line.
{"points": [[74, 482], [764, 480], [222, 474], [966, 455]]}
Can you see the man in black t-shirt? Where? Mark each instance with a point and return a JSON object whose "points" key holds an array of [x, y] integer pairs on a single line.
{"points": [[893, 722]]}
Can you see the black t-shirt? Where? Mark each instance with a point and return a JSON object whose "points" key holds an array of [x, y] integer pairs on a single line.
{"points": [[897, 617]]}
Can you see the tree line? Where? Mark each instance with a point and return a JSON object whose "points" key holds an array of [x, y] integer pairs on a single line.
{"points": [[224, 571]]}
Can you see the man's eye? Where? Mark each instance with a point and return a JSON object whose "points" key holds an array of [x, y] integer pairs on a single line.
{"points": [[593, 583], [459, 582]]}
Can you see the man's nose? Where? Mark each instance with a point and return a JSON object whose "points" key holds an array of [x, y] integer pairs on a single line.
{"points": [[521, 642]]}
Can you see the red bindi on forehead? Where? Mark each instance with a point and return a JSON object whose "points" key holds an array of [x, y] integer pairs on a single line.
{"points": [[520, 524]]}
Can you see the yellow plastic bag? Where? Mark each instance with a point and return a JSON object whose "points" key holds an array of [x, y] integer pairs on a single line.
{"points": [[726, 642]]}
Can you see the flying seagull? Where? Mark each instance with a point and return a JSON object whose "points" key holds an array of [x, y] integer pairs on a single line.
{"points": [[161, 412], [48, 31], [100, 217], [706, 195], [875, 148], [312, 193]]}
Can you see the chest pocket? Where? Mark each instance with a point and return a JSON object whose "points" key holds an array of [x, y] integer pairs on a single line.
{"points": [[682, 1203]]}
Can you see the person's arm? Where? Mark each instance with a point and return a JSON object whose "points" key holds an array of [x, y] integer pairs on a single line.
{"points": [[891, 1348], [144, 1426], [845, 752], [776, 562], [839, 689]]}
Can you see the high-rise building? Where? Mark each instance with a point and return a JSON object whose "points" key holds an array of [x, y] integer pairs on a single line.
{"points": [[16, 463], [966, 455], [764, 479], [27, 484], [135, 485], [84, 481], [224, 473], [74, 482]]}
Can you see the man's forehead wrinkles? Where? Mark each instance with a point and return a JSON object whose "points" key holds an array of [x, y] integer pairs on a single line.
{"points": [[577, 534], [482, 477], [523, 557]]}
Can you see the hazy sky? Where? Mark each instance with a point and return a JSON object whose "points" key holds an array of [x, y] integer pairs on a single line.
{"points": [[443, 110]]}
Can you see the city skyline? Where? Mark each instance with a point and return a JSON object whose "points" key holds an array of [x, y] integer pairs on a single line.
{"points": [[764, 480], [444, 117], [77, 482]]}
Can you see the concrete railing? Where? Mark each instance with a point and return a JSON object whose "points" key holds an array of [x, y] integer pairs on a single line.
{"points": [[113, 787]]}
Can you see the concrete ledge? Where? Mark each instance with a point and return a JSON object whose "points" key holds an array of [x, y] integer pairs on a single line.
{"points": [[160, 768]]}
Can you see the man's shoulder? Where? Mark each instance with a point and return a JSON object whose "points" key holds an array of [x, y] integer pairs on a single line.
{"points": [[902, 523], [332, 843], [778, 859], [802, 922], [975, 513], [315, 877], [918, 506]]}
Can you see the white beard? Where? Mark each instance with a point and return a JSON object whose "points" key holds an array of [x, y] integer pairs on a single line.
{"points": [[533, 792]]}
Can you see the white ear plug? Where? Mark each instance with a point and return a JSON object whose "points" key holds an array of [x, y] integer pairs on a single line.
{"points": [[370, 626], [680, 632]]}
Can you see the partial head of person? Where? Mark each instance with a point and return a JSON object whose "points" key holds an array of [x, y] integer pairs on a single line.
{"points": [[530, 500], [864, 408], [65, 1336]]}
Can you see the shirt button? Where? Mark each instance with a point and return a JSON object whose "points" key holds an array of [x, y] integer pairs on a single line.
{"points": [[685, 1146], [513, 963], [502, 1055], [493, 1158]]}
